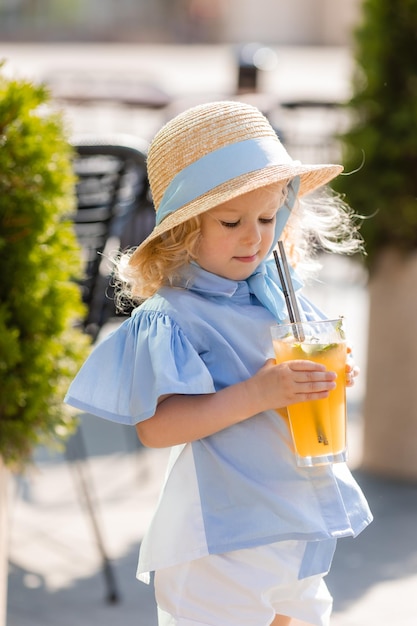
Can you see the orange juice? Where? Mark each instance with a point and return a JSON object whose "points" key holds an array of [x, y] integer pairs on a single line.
{"points": [[318, 427]]}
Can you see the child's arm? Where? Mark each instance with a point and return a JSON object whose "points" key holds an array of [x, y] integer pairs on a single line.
{"points": [[182, 418]]}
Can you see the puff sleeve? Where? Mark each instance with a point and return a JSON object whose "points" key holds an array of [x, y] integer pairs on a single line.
{"points": [[146, 357]]}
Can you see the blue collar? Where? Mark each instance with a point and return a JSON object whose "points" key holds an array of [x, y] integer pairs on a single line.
{"points": [[263, 283]]}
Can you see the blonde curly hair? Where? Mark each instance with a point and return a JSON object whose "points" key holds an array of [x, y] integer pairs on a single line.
{"points": [[158, 265]]}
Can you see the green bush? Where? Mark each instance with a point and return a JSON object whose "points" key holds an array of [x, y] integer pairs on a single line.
{"points": [[384, 130], [40, 347]]}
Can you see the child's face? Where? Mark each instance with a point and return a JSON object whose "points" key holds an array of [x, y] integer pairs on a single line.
{"points": [[237, 235]]}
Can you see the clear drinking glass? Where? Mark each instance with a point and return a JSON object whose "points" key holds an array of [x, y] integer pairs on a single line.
{"points": [[318, 427]]}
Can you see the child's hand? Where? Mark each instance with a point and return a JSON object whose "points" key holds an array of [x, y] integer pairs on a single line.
{"points": [[352, 370], [291, 382]]}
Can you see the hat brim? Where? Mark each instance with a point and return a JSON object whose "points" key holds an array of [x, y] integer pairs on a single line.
{"points": [[311, 177]]}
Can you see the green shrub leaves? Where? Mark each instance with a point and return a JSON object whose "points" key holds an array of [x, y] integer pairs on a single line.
{"points": [[40, 346]]}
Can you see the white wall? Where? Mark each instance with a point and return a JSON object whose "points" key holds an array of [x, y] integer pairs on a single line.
{"points": [[299, 22]]}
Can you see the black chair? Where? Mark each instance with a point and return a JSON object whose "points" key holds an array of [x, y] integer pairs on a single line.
{"points": [[114, 210]]}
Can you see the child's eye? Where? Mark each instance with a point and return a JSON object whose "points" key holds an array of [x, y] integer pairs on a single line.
{"points": [[229, 224], [262, 220]]}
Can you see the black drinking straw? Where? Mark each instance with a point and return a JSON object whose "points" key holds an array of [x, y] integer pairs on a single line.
{"points": [[294, 315], [288, 291], [284, 287]]}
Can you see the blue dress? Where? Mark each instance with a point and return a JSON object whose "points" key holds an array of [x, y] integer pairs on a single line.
{"points": [[240, 487]]}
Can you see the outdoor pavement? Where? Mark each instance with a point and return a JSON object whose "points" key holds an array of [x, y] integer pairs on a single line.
{"points": [[56, 574]]}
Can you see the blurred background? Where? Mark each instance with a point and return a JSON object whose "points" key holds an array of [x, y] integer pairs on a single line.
{"points": [[117, 71], [318, 22], [155, 57]]}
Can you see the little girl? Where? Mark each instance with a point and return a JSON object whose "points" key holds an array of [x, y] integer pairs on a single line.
{"points": [[241, 535]]}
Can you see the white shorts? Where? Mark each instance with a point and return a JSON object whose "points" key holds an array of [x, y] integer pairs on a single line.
{"points": [[248, 587]]}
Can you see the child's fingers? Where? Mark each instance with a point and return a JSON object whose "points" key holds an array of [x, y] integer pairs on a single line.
{"points": [[309, 371], [296, 381], [306, 366], [311, 381], [352, 367], [313, 385], [304, 396], [352, 371]]}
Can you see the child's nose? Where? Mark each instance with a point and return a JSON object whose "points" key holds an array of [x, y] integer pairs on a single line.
{"points": [[252, 233]]}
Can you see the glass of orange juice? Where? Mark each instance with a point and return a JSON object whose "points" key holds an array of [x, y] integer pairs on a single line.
{"points": [[318, 427]]}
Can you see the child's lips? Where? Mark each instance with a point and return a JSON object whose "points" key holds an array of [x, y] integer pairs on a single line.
{"points": [[246, 259]]}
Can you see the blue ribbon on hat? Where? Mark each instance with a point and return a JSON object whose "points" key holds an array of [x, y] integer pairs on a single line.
{"points": [[284, 212], [220, 166], [264, 283]]}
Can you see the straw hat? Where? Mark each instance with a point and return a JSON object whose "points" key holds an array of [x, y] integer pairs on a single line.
{"points": [[213, 153]]}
